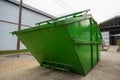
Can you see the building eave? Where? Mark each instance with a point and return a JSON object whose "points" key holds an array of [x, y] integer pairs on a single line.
{"points": [[15, 2], [118, 16]]}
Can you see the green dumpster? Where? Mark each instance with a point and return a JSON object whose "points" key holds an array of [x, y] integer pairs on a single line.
{"points": [[70, 43]]}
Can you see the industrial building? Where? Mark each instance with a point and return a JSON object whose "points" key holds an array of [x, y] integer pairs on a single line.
{"points": [[9, 13], [110, 30]]}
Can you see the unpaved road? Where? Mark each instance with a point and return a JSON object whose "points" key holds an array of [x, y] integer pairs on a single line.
{"points": [[25, 67]]}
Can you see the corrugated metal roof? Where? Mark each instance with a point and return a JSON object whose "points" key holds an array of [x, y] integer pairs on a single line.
{"points": [[115, 17], [31, 8]]}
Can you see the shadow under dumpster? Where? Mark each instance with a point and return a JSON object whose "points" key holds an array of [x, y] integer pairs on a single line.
{"points": [[43, 73]]}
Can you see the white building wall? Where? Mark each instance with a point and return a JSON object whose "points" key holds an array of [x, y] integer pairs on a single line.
{"points": [[9, 12], [7, 41], [105, 36]]}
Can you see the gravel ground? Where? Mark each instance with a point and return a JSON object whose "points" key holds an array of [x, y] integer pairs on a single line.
{"points": [[25, 67]]}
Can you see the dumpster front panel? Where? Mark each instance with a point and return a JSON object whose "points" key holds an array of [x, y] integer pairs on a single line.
{"points": [[53, 48]]}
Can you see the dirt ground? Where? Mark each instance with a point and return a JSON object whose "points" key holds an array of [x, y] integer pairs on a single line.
{"points": [[25, 67]]}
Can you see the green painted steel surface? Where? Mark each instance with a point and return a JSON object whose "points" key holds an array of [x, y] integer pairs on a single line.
{"points": [[70, 43]]}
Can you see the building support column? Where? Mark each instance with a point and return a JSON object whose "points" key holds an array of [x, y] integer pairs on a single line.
{"points": [[19, 23]]}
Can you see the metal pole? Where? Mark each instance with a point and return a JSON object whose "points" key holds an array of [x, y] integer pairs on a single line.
{"points": [[19, 22]]}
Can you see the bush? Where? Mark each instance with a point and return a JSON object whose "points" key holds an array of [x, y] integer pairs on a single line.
{"points": [[119, 42], [119, 45]]}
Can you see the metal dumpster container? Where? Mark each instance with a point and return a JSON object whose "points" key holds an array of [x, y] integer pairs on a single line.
{"points": [[70, 43]]}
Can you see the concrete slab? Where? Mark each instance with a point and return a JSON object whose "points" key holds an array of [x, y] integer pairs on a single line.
{"points": [[113, 48], [25, 67]]}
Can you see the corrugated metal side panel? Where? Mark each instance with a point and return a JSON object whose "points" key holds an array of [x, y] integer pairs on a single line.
{"points": [[9, 12]]}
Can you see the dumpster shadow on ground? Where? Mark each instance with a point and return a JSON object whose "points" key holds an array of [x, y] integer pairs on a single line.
{"points": [[42, 73]]}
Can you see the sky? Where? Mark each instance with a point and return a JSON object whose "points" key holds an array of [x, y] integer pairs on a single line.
{"points": [[101, 10]]}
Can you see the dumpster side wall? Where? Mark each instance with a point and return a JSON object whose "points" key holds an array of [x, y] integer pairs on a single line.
{"points": [[81, 30], [87, 38]]}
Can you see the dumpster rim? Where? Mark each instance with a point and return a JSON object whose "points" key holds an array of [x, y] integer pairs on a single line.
{"points": [[88, 16]]}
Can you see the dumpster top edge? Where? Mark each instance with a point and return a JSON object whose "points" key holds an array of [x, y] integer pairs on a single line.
{"points": [[40, 27]]}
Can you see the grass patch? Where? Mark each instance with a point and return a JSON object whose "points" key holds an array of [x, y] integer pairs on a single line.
{"points": [[13, 51]]}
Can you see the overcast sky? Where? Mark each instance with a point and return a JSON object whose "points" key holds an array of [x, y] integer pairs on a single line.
{"points": [[100, 9]]}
